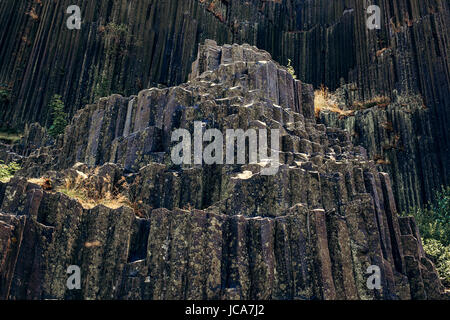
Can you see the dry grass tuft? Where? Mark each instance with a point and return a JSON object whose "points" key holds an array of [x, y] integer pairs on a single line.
{"points": [[32, 13], [381, 160], [92, 244], [378, 101], [323, 100], [46, 184], [109, 201], [381, 51]]}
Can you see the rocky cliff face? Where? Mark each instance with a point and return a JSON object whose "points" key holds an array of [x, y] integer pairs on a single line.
{"points": [[126, 46], [398, 136], [106, 196]]}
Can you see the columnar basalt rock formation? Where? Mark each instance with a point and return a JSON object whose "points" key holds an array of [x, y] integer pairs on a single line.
{"points": [[106, 196], [398, 135], [125, 46]]}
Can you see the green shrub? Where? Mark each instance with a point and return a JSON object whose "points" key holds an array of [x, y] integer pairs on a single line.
{"points": [[59, 116], [291, 69], [440, 255], [117, 29], [119, 34], [434, 226], [103, 88], [8, 170], [434, 220]]}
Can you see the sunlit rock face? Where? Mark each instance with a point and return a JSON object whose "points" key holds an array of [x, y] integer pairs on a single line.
{"points": [[126, 46], [107, 197]]}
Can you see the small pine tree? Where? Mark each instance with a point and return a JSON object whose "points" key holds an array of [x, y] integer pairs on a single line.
{"points": [[59, 116], [291, 69]]}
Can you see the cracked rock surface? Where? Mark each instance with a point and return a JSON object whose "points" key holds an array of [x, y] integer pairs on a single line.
{"points": [[141, 227]]}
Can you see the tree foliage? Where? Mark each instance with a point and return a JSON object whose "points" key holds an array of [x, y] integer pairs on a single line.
{"points": [[434, 220], [434, 225], [440, 255], [59, 116]]}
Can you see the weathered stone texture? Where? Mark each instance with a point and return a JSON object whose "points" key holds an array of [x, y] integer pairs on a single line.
{"points": [[212, 231], [399, 137], [124, 47]]}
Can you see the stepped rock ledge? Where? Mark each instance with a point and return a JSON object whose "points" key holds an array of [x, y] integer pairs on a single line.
{"points": [[140, 227]]}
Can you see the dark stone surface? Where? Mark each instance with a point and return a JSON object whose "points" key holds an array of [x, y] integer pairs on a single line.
{"points": [[207, 232]]}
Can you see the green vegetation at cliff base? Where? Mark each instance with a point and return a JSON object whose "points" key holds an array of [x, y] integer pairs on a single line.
{"points": [[434, 226], [7, 171]]}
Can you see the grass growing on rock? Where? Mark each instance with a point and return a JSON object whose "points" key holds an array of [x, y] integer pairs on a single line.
{"points": [[82, 192], [378, 101], [291, 69], [7, 171], [324, 101], [109, 201]]}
